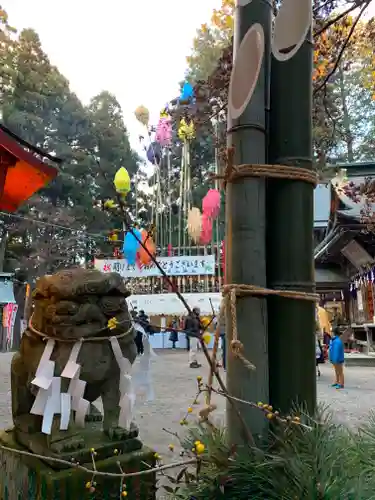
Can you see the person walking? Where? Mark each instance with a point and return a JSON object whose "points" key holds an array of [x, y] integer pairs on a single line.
{"points": [[337, 358], [192, 329], [138, 340]]}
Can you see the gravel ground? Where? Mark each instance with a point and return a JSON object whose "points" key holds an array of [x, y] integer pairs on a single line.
{"points": [[175, 387]]}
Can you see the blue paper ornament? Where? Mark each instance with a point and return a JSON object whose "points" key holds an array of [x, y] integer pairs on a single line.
{"points": [[131, 246], [154, 153], [187, 92]]}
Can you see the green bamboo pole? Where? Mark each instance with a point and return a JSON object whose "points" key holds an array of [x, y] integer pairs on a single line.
{"points": [[291, 323], [245, 237]]}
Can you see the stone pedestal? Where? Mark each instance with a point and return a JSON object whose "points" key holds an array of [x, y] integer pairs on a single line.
{"points": [[24, 477]]}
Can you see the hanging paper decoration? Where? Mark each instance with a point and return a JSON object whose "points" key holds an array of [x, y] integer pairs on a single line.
{"points": [[194, 223], [164, 130], [154, 153], [211, 203], [206, 233], [187, 93], [143, 115], [143, 256], [206, 337], [122, 181], [131, 246], [186, 130]]}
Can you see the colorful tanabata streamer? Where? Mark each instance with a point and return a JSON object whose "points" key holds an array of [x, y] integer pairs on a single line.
{"points": [[131, 246]]}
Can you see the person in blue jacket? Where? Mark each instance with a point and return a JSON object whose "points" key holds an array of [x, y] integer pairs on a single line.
{"points": [[336, 357]]}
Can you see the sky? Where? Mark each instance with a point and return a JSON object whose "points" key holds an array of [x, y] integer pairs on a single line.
{"points": [[138, 51]]}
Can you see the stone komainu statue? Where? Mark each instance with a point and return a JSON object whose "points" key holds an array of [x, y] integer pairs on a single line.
{"points": [[69, 306]]}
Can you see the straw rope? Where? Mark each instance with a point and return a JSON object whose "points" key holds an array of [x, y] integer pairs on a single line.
{"points": [[232, 291], [74, 340]]}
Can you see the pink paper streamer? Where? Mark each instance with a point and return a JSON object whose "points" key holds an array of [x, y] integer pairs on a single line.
{"points": [[206, 233], [211, 203]]}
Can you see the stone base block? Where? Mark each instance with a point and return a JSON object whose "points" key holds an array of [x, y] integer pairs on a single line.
{"points": [[24, 477]]}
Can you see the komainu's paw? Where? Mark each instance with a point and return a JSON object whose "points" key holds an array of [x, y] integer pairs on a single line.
{"points": [[72, 443], [119, 434]]}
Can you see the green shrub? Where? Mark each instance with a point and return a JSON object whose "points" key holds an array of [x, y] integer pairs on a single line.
{"points": [[319, 459]]}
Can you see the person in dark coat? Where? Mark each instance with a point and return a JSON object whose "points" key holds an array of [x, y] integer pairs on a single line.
{"points": [[173, 335], [142, 320]]}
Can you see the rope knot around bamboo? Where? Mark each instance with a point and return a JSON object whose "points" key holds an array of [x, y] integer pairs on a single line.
{"points": [[232, 291], [233, 172]]}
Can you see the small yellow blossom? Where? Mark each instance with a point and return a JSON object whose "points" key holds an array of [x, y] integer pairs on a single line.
{"points": [[190, 409], [115, 451], [124, 494], [199, 378], [171, 446], [88, 485], [112, 323], [92, 450], [269, 416], [109, 204], [157, 456], [200, 448]]}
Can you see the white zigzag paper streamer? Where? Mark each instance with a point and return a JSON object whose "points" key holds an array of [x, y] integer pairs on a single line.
{"points": [[127, 396]]}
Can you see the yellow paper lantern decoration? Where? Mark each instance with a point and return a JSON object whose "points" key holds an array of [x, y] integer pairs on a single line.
{"points": [[186, 131], [194, 224], [143, 115], [206, 337], [205, 321], [122, 181]]}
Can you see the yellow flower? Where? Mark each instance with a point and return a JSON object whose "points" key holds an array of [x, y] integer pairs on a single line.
{"points": [[115, 451], [200, 448], [171, 446], [269, 416], [88, 485], [199, 378], [157, 456], [124, 494], [110, 204], [92, 450], [190, 409], [112, 323]]}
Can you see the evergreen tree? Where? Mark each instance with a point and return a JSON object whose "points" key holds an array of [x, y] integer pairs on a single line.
{"points": [[37, 104]]}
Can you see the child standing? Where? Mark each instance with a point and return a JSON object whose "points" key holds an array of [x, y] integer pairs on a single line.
{"points": [[336, 356]]}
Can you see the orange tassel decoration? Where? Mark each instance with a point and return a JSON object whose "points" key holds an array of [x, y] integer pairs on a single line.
{"points": [[147, 240]]}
